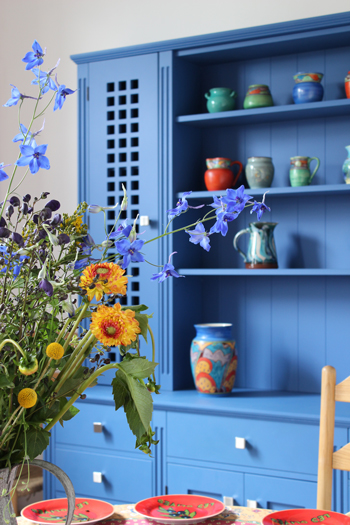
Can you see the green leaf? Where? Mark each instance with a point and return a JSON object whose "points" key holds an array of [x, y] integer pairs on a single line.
{"points": [[71, 412], [37, 440], [138, 407], [138, 367], [143, 322], [5, 382], [72, 383], [136, 308], [120, 390]]}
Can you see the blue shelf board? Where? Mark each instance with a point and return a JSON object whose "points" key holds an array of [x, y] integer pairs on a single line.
{"points": [[281, 272], [328, 108], [285, 191]]}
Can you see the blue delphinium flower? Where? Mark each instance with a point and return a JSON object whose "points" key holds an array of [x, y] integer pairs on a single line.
{"points": [[228, 208], [27, 135], [260, 208], [181, 206], [3, 174], [16, 96], [199, 236], [61, 96], [34, 156], [167, 271], [44, 79], [35, 57], [235, 200], [130, 251]]}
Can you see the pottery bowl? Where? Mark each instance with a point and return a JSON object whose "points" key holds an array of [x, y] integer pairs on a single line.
{"points": [[218, 162], [308, 77]]}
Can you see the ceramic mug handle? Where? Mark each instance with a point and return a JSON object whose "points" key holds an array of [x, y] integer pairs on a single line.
{"points": [[235, 245], [317, 166], [240, 168]]}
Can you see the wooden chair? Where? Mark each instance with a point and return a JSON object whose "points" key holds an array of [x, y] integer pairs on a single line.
{"points": [[327, 459]]}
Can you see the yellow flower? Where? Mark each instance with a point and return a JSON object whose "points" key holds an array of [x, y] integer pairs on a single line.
{"points": [[55, 351], [101, 278], [113, 326], [27, 397]]}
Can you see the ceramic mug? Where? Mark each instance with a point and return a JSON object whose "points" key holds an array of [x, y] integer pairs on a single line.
{"points": [[299, 173]]}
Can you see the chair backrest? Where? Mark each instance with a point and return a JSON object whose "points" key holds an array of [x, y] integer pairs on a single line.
{"points": [[327, 459]]}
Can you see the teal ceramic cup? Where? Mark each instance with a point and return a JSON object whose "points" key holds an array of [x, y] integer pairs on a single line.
{"points": [[300, 173]]}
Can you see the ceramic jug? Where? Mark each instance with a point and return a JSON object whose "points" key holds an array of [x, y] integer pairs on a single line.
{"points": [[219, 176], [259, 172], [299, 173], [220, 99], [346, 166], [261, 251]]}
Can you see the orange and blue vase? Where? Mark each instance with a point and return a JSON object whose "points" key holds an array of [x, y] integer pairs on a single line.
{"points": [[214, 358]]}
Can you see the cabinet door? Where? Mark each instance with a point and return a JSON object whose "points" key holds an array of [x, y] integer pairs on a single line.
{"points": [[214, 483], [279, 493], [122, 149]]}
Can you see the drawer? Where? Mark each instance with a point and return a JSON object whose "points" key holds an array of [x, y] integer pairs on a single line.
{"points": [[115, 434], [123, 479], [285, 446]]}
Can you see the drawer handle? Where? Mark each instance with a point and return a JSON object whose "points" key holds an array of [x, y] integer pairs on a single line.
{"points": [[252, 503], [97, 477], [144, 220], [240, 443], [98, 427]]}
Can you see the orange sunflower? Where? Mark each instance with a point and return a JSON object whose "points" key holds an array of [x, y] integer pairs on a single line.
{"points": [[101, 278], [113, 326]]}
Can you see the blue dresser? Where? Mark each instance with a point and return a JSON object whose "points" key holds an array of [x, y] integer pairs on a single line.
{"points": [[143, 123]]}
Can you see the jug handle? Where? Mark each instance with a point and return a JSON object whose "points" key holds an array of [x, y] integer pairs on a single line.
{"points": [[233, 94], [317, 166], [207, 95], [235, 239], [239, 170]]}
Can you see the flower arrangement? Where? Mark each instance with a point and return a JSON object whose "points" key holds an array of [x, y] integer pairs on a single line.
{"points": [[50, 281]]}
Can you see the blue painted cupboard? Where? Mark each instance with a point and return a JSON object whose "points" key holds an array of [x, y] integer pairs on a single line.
{"points": [[143, 123]]}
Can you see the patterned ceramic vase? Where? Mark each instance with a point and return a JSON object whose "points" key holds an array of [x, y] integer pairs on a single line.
{"points": [[259, 172], [346, 166], [258, 96], [214, 358], [308, 88]]}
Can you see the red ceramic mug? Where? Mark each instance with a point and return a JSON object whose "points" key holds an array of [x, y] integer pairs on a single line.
{"points": [[222, 178]]}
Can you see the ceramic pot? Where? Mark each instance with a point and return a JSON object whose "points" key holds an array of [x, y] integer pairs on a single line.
{"points": [[307, 88], [261, 251], [213, 358], [258, 96], [7, 478], [300, 173], [220, 99], [222, 178], [347, 85], [346, 166], [259, 172], [218, 162]]}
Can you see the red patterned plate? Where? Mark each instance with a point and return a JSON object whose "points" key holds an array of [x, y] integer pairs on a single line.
{"points": [[180, 508], [306, 517], [54, 511]]}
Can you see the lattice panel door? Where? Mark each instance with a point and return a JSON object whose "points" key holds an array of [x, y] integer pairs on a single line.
{"points": [[123, 150]]}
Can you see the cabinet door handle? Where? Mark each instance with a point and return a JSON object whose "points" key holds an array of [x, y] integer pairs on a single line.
{"points": [[252, 503], [97, 477], [98, 427], [144, 220], [240, 443]]}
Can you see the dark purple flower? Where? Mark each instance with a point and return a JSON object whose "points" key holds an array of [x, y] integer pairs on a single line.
{"points": [[4, 233], [17, 238], [26, 198], [168, 271], [3, 223], [56, 219], [15, 201], [24, 208], [199, 236], [46, 287], [45, 214], [35, 57], [9, 211], [53, 205], [63, 238]]}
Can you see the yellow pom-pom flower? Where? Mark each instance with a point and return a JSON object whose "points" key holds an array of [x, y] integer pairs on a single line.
{"points": [[113, 326], [55, 351], [27, 397], [101, 278]]}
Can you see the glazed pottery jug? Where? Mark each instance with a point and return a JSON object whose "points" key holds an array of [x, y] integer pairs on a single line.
{"points": [[219, 176], [258, 96], [261, 251], [299, 173], [346, 166], [220, 99], [307, 87], [347, 85], [213, 358], [259, 172]]}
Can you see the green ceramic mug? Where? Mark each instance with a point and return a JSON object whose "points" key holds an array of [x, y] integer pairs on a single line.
{"points": [[300, 173]]}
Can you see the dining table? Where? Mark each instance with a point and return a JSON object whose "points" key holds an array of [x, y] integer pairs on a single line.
{"points": [[127, 515]]}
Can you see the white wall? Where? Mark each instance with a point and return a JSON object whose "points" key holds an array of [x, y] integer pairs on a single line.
{"points": [[68, 27]]}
